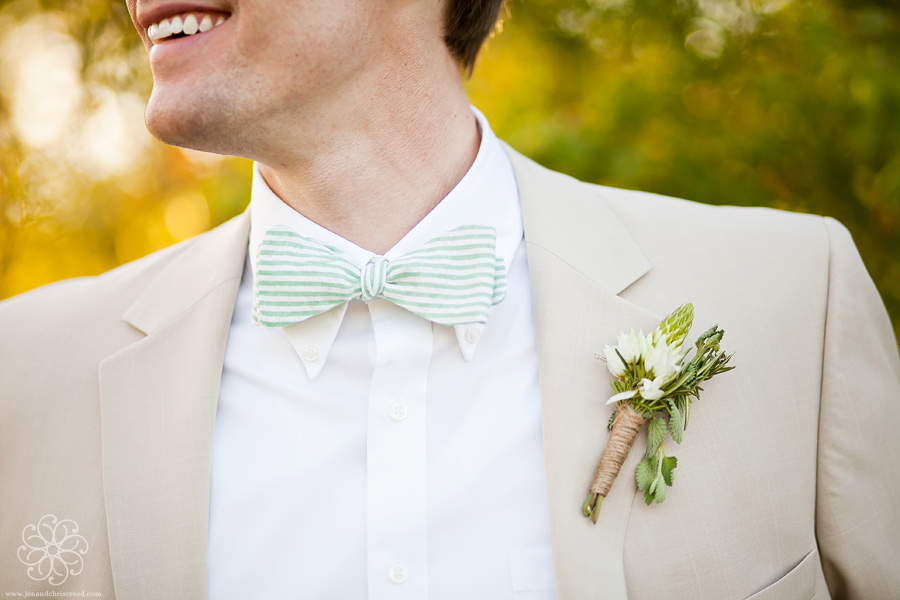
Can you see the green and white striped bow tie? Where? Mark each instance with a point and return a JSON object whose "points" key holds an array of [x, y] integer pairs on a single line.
{"points": [[454, 279]]}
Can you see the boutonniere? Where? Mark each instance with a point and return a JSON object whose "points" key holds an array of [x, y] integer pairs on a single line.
{"points": [[655, 383]]}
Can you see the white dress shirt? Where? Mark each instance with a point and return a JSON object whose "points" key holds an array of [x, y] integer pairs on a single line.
{"points": [[368, 453]]}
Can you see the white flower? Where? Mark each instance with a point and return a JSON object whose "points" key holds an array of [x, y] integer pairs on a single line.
{"points": [[662, 361], [631, 346], [651, 390], [615, 364]]}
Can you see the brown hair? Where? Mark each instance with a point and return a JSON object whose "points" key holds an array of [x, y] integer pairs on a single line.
{"points": [[467, 25]]}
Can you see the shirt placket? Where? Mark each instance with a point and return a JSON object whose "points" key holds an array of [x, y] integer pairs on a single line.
{"points": [[396, 458]]}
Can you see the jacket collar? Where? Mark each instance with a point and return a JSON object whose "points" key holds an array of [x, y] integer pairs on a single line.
{"points": [[202, 265], [572, 221]]}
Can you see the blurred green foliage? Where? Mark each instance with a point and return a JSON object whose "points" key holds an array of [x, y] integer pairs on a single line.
{"points": [[789, 104]]}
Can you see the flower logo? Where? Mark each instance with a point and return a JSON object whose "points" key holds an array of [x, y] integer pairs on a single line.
{"points": [[52, 550]]}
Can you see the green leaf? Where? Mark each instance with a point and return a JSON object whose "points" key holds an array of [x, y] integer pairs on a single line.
{"points": [[656, 433], [706, 335], [676, 423], [660, 493], [644, 473], [668, 465], [648, 498]]}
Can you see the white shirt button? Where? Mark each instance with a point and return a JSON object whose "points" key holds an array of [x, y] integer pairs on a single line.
{"points": [[473, 335], [311, 353], [398, 411], [398, 573]]}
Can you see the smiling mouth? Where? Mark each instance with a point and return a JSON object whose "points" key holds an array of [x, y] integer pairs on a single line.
{"points": [[183, 25]]}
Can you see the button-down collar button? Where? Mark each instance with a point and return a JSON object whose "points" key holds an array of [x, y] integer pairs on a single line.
{"points": [[398, 573], [473, 335], [398, 410], [311, 353]]}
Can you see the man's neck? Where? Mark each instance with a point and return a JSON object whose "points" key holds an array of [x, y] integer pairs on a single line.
{"points": [[372, 176]]}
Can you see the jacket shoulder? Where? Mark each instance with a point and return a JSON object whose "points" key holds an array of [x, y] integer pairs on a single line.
{"points": [[80, 304], [82, 297], [640, 207]]}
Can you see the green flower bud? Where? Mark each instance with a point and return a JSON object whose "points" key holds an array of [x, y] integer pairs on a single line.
{"points": [[674, 328]]}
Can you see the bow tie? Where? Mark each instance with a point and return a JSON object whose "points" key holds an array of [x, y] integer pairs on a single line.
{"points": [[453, 279]]}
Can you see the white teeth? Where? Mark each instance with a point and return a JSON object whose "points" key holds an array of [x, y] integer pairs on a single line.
{"points": [[185, 23], [190, 25]]}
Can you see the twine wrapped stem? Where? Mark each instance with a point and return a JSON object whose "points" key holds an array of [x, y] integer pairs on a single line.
{"points": [[625, 428]]}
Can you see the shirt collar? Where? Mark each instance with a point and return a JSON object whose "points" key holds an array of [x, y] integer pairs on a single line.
{"points": [[486, 195]]}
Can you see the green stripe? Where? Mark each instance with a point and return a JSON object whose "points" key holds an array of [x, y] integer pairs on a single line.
{"points": [[471, 227], [285, 232], [282, 316], [483, 258], [447, 276], [429, 266], [298, 244], [409, 294], [307, 258], [291, 313], [451, 237], [281, 294], [338, 300], [299, 274], [444, 286], [427, 250], [297, 303], [295, 283]]}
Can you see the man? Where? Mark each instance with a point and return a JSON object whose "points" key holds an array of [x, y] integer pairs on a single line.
{"points": [[170, 431]]}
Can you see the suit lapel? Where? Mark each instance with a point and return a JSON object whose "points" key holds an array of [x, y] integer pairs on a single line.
{"points": [[579, 258], [158, 402]]}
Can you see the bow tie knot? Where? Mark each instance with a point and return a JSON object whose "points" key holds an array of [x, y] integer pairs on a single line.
{"points": [[453, 279], [373, 277]]}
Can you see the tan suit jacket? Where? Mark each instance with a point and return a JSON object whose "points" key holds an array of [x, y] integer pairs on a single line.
{"points": [[788, 479]]}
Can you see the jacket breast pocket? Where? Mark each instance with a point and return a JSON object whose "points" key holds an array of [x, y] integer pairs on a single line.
{"points": [[798, 584]]}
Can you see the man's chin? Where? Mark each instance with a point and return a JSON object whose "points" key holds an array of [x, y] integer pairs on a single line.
{"points": [[183, 127]]}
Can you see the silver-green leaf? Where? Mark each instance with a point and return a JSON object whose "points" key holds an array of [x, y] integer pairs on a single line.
{"points": [[644, 473], [676, 423], [656, 433], [660, 492]]}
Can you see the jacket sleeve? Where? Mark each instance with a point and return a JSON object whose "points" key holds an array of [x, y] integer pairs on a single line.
{"points": [[858, 474]]}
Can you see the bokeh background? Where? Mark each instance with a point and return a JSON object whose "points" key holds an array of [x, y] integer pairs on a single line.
{"points": [[789, 104]]}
